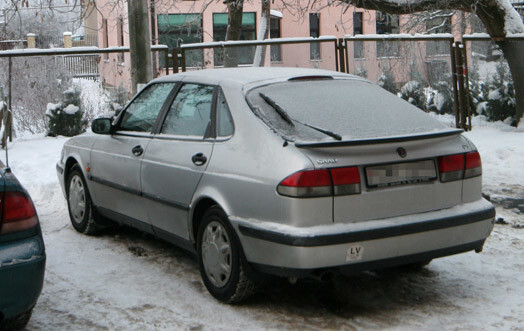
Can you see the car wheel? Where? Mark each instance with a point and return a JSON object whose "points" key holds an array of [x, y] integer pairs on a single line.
{"points": [[18, 322], [79, 203], [221, 260]]}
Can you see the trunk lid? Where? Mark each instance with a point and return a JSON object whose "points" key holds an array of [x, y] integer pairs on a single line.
{"points": [[389, 196]]}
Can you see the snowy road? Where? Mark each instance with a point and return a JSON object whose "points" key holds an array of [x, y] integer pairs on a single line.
{"points": [[125, 280]]}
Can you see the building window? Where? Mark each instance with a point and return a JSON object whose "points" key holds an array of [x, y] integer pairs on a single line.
{"points": [[314, 31], [358, 46], [274, 32], [177, 29], [387, 24], [105, 37], [245, 54], [438, 25], [120, 38]]}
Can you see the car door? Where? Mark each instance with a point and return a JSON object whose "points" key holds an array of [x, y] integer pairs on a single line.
{"points": [[176, 158], [116, 158]]}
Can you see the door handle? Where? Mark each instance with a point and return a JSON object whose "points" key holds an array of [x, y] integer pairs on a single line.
{"points": [[137, 150], [199, 159]]}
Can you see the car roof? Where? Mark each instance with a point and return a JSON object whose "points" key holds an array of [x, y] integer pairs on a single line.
{"points": [[252, 75]]}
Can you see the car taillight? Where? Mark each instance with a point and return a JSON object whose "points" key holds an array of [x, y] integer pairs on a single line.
{"points": [[321, 183], [473, 165], [306, 184], [459, 166], [18, 213], [345, 180]]}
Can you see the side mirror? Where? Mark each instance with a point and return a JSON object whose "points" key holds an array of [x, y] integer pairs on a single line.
{"points": [[102, 126]]}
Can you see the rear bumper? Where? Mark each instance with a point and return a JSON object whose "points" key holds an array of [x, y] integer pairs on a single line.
{"points": [[22, 268], [281, 249]]}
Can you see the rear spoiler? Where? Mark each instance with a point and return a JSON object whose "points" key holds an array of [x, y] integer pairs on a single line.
{"points": [[372, 141]]}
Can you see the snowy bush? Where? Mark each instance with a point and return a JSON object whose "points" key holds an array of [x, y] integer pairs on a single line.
{"points": [[413, 92], [35, 82], [66, 118], [441, 98], [387, 81], [501, 97], [94, 99], [362, 72], [119, 97]]}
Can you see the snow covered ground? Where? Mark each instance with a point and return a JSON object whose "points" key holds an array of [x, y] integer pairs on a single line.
{"points": [[126, 280]]}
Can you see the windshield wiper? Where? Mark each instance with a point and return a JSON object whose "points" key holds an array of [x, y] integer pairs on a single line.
{"points": [[288, 119], [324, 131], [277, 108]]}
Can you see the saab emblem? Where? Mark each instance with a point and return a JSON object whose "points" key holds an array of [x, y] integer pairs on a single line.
{"points": [[402, 152]]}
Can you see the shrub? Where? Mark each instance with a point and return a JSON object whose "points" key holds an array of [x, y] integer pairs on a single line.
{"points": [[66, 118], [387, 81], [413, 93], [501, 97]]}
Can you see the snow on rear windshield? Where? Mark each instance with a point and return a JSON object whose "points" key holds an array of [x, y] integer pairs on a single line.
{"points": [[350, 108]]}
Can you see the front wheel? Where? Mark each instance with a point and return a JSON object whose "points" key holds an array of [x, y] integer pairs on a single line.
{"points": [[79, 203], [220, 258]]}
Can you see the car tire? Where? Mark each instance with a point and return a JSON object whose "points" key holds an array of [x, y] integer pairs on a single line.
{"points": [[221, 260], [18, 322], [79, 203]]}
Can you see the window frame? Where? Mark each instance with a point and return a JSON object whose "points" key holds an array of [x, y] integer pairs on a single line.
{"points": [[217, 137], [154, 127], [163, 115]]}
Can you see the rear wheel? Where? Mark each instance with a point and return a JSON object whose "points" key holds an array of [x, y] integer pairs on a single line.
{"points": [[79, 203], [220, 258]]}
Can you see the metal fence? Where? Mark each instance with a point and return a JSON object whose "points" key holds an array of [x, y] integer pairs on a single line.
{"points": [[282, 52]]}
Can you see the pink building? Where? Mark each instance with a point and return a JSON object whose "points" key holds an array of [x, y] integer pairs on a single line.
{"points": [[174, 23]]}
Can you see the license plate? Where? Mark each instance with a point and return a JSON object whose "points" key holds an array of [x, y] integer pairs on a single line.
{"points": [[400, 173]]}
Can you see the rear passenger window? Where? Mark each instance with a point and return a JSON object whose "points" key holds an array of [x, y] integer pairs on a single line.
{"points": [[224, 120], [190, 112]]}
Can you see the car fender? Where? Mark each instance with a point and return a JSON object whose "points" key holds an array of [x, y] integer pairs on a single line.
{"points": [[206, 192]]}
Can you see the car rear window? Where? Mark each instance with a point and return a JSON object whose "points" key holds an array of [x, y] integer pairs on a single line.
{"points": [[348, 108]]}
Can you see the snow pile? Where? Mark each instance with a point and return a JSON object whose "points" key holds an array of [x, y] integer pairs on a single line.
{"points": [[71, 109], [51, 107]]}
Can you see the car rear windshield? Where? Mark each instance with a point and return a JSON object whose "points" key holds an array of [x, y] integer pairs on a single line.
{"points": [[330, 109]]}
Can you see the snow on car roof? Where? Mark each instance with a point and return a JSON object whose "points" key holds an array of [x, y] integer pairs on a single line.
{"points": [[248, 75]]}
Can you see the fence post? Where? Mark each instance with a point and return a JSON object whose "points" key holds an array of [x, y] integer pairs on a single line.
{"points": [[455, 83], [460, 81], [337, 55], [341, 54], [31, 40], [166, 54], [68, 40], [466, 81], [174, 54], [183, 59]]}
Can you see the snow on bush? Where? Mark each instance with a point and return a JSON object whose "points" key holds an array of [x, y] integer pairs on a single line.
{"points": [[412, 92], [387, 81], [501, 104], [66, 118]]}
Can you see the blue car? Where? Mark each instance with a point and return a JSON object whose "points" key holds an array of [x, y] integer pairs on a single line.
{"points": [[22, 253]]}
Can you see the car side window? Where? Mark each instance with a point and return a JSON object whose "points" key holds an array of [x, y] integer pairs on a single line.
{"points": [[141, 114], [224, 121], [190, 112]]}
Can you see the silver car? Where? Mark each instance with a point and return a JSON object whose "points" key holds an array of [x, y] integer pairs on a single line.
{"points": [[283, 171]]}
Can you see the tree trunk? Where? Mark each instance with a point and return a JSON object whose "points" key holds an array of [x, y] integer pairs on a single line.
{"points": [[263, 33], [234, 29], [493, 18], [513, 51], [139, 43]]}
